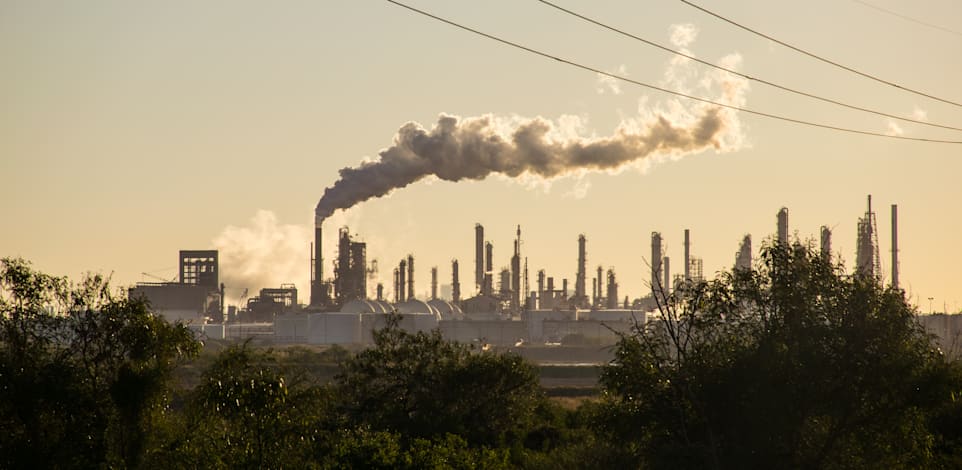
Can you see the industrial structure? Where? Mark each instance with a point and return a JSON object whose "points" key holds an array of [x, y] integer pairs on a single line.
{"points": [[196, 296], [867, 261], [743, 258], [503, 308]]}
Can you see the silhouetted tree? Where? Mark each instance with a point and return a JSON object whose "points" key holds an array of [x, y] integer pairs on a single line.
{"points": [[793, 364], [83, 374], [422, 386]]}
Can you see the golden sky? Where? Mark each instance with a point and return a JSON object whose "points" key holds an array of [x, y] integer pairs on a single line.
{"points": [[132, 129]]}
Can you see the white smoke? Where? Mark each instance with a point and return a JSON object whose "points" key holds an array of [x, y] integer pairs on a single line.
{"points": [[265, 253], [683, 35], [473, 148]]}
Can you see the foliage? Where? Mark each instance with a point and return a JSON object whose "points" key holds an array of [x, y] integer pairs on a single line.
{"points": [[421, 386], [83, 374], [792, 364]]}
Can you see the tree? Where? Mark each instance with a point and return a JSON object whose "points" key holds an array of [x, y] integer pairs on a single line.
{"points": [[422, 386], [791, 364], [83, 374]]}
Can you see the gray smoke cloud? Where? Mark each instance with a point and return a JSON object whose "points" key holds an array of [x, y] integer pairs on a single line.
{"points": [[473, 148]]}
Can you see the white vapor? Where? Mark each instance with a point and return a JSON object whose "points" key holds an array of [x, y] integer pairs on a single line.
{"points": [[262, 254]]}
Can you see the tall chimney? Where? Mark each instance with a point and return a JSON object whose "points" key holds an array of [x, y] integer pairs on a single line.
{"points": [[667, 284], [380, 291], [402, 270], [580, 297], [783, 225], [656, 256], [478, 255], [895, 246], [317, 270], [411, 295], [687, 256], [455, 283], [540, 289], [489, 258], [564, 288], [826, 244], [397, 290], [434, 282]]}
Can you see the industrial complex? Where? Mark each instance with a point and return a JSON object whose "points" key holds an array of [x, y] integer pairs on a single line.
{"points": [[505, 309]]}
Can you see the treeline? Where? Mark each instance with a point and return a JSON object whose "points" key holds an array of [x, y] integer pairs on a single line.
{"points": [[792, 364]]}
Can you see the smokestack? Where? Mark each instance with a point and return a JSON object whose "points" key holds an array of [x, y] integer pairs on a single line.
{"points": [[783, 225], [434, 282], [402, 270], [411, 277], [564, 288], [667, 284], [826, 244], [743, 259], [455, 283], [580, 299], [540, 289], [380, 291], [687, 256], [895, 246], [489, 258], [397, 290], [317, 270], [656, 256], [478, 255]]}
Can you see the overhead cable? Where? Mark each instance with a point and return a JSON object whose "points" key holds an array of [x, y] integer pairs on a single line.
{"points": [[908, 18], [820, 58], [745, 76], [664, 90]]}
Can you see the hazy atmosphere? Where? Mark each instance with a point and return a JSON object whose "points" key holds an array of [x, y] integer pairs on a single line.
{"points": [[130, 130]]}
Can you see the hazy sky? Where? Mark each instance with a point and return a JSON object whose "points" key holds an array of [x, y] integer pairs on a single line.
{"points": [[130, 130]]}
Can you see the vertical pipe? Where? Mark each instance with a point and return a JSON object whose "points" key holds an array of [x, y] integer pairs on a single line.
{"points": [[666, 287], [402, 276], [434, 282], [411, 295], [478, 255], [687, 256], [895, 246], [783, 225], [455, 283], [656, 255], [488, 258]]}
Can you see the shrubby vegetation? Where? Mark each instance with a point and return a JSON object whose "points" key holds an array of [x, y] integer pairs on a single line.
{"points": [[791, 365]]}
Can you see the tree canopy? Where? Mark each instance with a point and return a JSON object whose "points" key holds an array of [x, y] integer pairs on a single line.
{"points": [[791, 364]]}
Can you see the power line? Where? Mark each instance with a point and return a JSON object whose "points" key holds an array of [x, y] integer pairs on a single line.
{"points": [[664, 90], [734, 72], [818, 57], [908, 18]]}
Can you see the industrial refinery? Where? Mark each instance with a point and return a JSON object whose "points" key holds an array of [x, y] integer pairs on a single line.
{"points": [[504, 306]]}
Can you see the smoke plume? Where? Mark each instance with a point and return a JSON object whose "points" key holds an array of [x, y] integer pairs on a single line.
{"points": [[263, 254], [473, 148]]}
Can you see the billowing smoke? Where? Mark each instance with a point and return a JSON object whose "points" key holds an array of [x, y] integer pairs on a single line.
{"points": [[473, 148], [264, 254]]}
